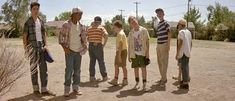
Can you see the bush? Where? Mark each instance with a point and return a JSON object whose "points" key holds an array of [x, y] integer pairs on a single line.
{"points": [[12, 65]]}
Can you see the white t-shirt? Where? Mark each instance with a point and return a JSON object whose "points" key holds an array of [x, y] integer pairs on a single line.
{"points": [[75, 39], [138, 43], [38, 30], [186, 36]]}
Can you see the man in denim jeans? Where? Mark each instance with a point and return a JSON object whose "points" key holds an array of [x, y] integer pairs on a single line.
{"points": [[72, 38], [35, 41]]}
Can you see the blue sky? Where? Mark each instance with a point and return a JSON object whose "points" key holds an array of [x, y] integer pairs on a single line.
{"points": [[174, 9]]}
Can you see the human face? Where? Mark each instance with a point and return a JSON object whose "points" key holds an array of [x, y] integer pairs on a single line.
{"points": [[77, 16], [116, 29], [35, 11], [180, 27], [134, 23], [160, 15]]}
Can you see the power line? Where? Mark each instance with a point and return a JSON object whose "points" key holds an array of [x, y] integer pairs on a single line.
{"points": [[136, 9]]}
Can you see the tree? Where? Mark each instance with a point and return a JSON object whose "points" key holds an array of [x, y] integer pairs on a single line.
{"points": [[56, 19], [126, 26], [15, 13], [194, 16], [118, 17], [43, 17], [141, 21], [64, 16], [221, 15], [108, 27]]}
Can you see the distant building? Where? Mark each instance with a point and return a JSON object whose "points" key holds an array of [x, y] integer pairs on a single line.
{"points": [[191, 27], [53, 27]]}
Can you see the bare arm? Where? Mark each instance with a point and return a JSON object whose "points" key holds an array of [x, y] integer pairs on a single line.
{"points": [[180, 43], [105, 39]]}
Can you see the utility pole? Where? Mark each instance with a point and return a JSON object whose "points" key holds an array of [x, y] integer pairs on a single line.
{"points": [[188, 12], [121, 10], [136, 9]]}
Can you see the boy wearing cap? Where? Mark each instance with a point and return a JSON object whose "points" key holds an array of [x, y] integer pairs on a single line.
{"points": [[138, 50], [97, 37], [163, 45], [72, 38], [35, 36], [184, 52]]}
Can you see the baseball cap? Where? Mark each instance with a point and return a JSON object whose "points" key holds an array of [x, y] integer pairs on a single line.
{"points": [[97, 19]]}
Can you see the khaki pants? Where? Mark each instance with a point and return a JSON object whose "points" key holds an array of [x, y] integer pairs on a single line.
{"points": [[162, 56]]}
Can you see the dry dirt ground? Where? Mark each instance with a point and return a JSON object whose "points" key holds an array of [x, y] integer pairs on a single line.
{"points": [[212, 70]]}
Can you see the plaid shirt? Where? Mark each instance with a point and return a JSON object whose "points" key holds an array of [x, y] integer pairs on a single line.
{"points": [[64, 38], [29, 28]]}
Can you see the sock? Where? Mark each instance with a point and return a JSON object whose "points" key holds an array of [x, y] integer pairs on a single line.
{"points": [[144, 80], [137, 79]]}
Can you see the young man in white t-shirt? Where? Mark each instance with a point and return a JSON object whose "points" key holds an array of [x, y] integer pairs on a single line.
{"points": [[184, 52]]}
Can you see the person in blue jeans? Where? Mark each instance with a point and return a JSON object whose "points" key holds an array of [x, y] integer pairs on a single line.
{"points": [[72, 38], [183, 53], [35, 43]]}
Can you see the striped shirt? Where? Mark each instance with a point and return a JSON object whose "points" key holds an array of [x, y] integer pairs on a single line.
{"points": [[162, 32], [96, 34]]}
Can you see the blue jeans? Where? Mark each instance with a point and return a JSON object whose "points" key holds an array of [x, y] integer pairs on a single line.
{"points": [[184, 64], [96, 52], [72, 70], [38, 60]]}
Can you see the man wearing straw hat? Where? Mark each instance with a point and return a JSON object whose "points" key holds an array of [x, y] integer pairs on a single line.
{"points": [[72, 38]]}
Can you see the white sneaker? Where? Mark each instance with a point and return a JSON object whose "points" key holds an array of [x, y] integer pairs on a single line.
{"points": [[144, 88], [66, 94], [137, 86], [113, 82], [77, 92]]}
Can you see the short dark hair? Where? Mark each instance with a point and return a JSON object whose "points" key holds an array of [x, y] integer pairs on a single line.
{"points": [[34, 4], [159, 10], [118, 23], [97, 19]]}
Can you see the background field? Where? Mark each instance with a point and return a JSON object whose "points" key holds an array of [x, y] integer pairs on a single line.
{"points": [[212, 70]]}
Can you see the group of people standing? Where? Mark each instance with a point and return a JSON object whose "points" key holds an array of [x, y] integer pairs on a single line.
{"points": [[76, 39]]}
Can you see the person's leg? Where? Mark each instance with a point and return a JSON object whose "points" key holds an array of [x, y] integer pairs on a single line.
{"points": [[92, 61], [77, 71], [124, 59], [116, 65], [99, 53], [43, 72], [159, 58], [144, 74], [116, 72], [34, 71], [185, 69], [137, 79], [165, 57], [69, 59]]}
